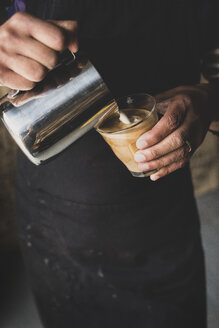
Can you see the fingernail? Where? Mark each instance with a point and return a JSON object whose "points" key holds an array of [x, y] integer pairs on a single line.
{"points": [[139, 157], [154, 177], [141, 144], [146, 167]]}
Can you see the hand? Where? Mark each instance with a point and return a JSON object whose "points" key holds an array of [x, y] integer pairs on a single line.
{"points": [[53, 80], [29, 47], [170, 144]]}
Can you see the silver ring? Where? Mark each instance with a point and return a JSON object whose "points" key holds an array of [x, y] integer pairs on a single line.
{"points": [[74, 56], [189, 146], [12, 93]]}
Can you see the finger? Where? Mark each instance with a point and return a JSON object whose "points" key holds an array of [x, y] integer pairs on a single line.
{"points": [[167, 170], [181, 154], [172, 142], [12, 80], [71, 27], [172, 119], [81, 60], [168, 94], [27, 68], [49, 34], [36, 50], [33, 49], [163, 106]]}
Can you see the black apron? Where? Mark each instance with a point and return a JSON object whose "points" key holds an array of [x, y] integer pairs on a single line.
{"points": [[105, 249]]}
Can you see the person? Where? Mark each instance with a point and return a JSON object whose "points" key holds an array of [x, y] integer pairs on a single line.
{"points": [[102, 248]]}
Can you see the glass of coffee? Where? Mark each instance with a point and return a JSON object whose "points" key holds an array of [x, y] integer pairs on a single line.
{"points": [[125, 121]]}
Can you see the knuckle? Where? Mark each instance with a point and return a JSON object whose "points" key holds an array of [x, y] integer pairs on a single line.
{"points": [[163, 171], [74, 25], [168, 170], [179, 139], [178, 98], [186, 100], [42, 73], [173, 120], [71, 25], [17, 18], [181, 97], [157, 164], [54, 59], [154, 153], [5, 36], [8, 37], [181, 163], [172, 142], [155, 138], [162, 163], [150, 166], [38, 73], [182, 101], [60, 40], [27, 85], [21, 15]]}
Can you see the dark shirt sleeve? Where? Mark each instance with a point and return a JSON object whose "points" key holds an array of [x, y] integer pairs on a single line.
{"points": [[209, 26]]}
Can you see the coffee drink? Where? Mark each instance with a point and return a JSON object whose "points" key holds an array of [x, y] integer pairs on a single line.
{"points": [[121, 128]]}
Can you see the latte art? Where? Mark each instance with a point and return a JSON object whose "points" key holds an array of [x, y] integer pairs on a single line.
{"points": [[121, 120], [124, 118]]}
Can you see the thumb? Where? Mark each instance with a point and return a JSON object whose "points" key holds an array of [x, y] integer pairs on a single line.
{"points": [[172, 93], [163, 101], [165, 98], [71, 30]]}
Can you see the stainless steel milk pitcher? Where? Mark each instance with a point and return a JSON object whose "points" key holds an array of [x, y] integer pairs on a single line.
{"points": [[64, 106]]}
